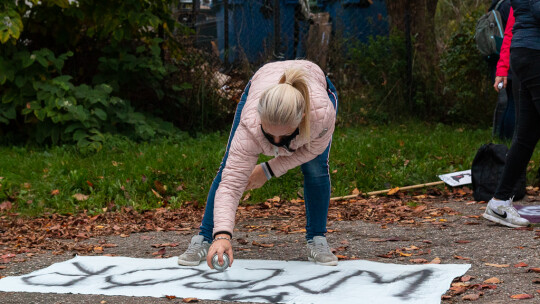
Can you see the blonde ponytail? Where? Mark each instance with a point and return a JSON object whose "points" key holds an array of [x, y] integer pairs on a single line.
{"points": [[287, 103]]}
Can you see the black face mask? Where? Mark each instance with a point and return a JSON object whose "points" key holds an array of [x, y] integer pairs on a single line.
{"points": [[285, 141]]}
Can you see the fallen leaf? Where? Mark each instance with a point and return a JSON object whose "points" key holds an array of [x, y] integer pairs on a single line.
{"points": [[460, 257], [435, 261], [493, 280], [458, 289], [190, 300], [7, 205], [536, 281], [98, 249], [419, 261], [356, 191], [522, 296], [165, 245], [521, 265], [55, 192], [393, 191], [483, 286], [170, 297], [3, 267], [159, 252], [156, 194], [262, 244], [80, 196], [342, 257], [412, 247], [537, 270], [162, 189], [497, 265], [466, 278], [242, 241], [471, 297], [463, 242]]}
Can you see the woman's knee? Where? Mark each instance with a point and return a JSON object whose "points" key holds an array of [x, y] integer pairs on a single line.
{"points": [[315, 169]]}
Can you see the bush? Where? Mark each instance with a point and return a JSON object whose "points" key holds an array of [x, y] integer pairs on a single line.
{"points": [[74, 71], [468, 95]]}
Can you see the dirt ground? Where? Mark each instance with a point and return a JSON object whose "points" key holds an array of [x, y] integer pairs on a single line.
{"points": [[454, 238]]}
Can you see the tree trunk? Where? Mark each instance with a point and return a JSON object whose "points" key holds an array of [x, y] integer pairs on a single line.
{"points": [[422, 22], [420, 16]]}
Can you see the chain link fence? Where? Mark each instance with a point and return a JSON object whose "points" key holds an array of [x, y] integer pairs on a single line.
{"points": [[236, 37]]}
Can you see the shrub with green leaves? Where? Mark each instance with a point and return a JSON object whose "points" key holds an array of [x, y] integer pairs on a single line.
{"points": [[468, 92], [376, 75], [72, 71]]}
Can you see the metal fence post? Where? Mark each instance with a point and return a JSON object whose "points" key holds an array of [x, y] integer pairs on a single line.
{"points": [[277, 30], [226, 32]]}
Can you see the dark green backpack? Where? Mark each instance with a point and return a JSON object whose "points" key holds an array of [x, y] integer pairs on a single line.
{"points": [[489, 32]]}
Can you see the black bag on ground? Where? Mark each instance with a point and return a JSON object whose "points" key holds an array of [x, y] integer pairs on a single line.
{"points": [[487, 169]]}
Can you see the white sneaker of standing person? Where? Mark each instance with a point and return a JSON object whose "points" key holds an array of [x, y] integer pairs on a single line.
{"points": [[504, 213], [320, 253], [196, 252]]}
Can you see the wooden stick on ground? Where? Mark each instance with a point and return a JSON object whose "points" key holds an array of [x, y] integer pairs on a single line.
{"points": [[387, 190]]}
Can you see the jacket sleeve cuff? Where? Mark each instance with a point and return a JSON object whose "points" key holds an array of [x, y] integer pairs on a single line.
{"points": [[267, 170], [222, 232]]}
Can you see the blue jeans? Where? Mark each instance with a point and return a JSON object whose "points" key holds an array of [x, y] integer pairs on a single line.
{"points": [[316, 181]]}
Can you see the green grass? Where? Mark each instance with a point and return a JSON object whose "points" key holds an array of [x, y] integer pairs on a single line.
{"points": [[124, 173]]}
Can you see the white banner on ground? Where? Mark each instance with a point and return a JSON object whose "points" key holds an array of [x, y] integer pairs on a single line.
{"points": [[457, 178], [247, 280]]}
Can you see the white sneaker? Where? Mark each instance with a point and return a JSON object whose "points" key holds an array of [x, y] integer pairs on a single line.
{"points": [[196, 252], [320, 253], [505, 215]]}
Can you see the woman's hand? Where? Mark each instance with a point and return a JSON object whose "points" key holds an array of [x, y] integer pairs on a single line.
{"points": [[499, 79], [220, 246], [257, 178]]}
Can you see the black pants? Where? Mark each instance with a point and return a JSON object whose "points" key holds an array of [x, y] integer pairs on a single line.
{"points": [[526, 66]]}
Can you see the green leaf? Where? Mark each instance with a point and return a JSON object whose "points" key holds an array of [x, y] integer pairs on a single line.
{"points": [[72, 127], [118, 34], [79, 135], [100, 114]]}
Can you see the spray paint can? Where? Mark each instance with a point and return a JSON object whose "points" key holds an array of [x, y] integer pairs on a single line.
{"points": [[216, 264]]}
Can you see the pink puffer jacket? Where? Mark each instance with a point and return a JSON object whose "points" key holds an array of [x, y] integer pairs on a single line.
{"points": [[248, 140]]}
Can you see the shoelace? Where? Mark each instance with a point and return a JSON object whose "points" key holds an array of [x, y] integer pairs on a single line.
{"points": [[511, 210], [194, 248], [321, 248]]}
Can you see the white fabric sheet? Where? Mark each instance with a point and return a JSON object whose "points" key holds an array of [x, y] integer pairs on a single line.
{"points": [[247, 280]]}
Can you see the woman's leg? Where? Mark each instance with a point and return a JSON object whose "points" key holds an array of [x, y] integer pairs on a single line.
{"points": [[526, 65], [317, 183], [316, 194], [207, 225]]}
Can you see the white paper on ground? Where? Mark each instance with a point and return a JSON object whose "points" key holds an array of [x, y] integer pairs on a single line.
{"points": [[247, 280], [457, 178]]}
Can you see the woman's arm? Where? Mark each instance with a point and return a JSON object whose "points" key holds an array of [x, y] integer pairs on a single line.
{"points": [[504, 57], [239, 165], [281, 164]]}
